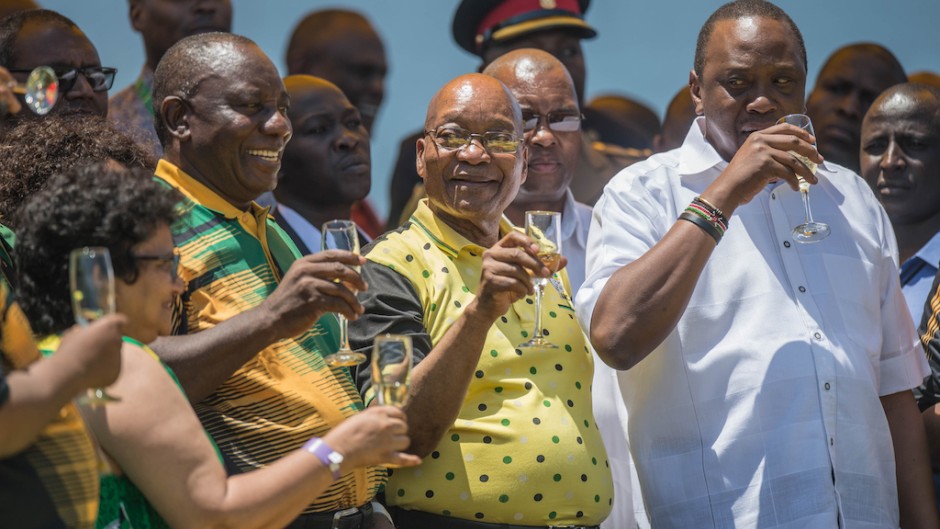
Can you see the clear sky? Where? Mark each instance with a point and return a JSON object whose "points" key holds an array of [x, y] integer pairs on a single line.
{"points": [[643, 49]]}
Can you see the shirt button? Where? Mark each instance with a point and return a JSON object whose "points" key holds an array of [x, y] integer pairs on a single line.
{"points": [[826, 385], [832, 441], [817, 336], [802, 289], [773, 196], [786, 244]]}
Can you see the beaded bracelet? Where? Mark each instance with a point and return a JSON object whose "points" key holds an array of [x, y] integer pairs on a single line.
{"points": [[701, 223]]}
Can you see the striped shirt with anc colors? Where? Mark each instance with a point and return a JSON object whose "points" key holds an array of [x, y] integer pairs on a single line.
{"points": [[232, 260], [54, 482]]}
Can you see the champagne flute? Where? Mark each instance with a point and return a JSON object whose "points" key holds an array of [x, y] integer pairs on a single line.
{"points": [[41, 90], [810, 230], [92, 283], [544, 227], [391, 369], [342, 235]]}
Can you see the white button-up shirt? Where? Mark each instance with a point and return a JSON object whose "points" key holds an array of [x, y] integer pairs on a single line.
{"points": [[761, 408]]}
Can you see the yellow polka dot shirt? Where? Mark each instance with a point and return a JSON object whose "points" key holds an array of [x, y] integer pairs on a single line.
{"points": [[524, 449]]}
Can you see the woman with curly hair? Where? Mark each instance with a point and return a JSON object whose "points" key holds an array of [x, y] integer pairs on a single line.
{"points": [[166, 470]]}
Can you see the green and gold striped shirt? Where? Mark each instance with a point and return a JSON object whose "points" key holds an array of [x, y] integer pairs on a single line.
{"points": [[232, 260]]}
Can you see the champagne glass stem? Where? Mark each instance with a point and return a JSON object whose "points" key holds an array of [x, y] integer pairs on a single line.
{"points": [[343, 333], [806, 207], [539, 288]]}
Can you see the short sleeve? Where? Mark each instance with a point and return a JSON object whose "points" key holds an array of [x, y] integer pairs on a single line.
{"points": [[392, 306]]}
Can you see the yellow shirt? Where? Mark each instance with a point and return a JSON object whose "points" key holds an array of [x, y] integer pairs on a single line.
{"points": [[524, 448]]}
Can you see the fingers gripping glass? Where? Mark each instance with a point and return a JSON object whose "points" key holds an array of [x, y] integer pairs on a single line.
{"points": [[493, 142], [560, 121], [342, 235], [99, 78], [810, 230], [41, 90], [544, 227], [91, 279], [391, 369]]}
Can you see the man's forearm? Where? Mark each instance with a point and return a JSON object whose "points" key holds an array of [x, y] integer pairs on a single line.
{"points": [[439, 383], [643, 301], [915, 485], [204, 360]]}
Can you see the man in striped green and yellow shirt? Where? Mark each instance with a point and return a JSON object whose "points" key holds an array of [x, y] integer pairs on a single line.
{"points": [[255, 319]]}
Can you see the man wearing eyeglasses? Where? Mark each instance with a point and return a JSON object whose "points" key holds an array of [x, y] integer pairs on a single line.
{"points": [[507, 433], [551, 118], [41, 37]]}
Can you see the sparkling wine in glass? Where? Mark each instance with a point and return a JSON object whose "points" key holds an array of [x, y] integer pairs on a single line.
{"points": [[810, 230], [544, 227], [342, 235], [391, 369], [91, 279], [41, 90]]}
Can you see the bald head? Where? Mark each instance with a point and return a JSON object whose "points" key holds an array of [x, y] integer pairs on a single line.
{"points": [[190, 61], [900, 160], [925, 77], [341, 46], [527, 68], [456, 98]]}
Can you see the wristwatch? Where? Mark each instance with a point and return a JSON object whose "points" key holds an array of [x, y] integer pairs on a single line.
{"points": [[329, 457]]}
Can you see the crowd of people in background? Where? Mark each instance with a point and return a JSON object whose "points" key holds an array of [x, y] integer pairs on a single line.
{"points": [[697, 365]]}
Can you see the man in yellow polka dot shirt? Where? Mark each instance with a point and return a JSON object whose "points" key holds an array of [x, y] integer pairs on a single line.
{"points": [[507, 434]]}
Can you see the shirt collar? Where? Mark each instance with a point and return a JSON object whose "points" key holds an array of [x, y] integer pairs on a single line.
{"points": [[571, 220], [202, 195], [930, 251], [445, 237]]}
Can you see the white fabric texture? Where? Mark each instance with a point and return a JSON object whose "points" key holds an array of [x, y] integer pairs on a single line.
{"points": [[761, 408]]}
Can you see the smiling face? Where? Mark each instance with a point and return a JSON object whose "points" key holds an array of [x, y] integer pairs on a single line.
{"points": [[469, 185], [61, 48], [900, 154], [148, 301], [327, 161], [847, 85], [237, 125], [753, 74]]}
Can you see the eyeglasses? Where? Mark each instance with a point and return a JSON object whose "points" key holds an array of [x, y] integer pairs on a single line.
{"points": [[171, 262], [560, 121], [494, 142], [100, 78]]}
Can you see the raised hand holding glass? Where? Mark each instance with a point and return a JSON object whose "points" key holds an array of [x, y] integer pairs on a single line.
{"points": [[544, 227], [810, 230], [342, 235]]}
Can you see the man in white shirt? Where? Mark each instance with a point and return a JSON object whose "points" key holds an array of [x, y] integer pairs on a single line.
{"points": [[551, 118], [769, 381], [327, 164]]}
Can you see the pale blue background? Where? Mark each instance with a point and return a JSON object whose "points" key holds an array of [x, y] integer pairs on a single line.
{"points": [[644, 48]]}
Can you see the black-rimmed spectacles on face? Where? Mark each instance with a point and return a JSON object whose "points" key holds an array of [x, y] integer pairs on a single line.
{"points": [[558, 121], [169, 261], [99, 78], [455, 138]]}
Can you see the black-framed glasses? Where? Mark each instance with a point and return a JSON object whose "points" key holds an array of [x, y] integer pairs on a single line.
{"points": [[100, 78], [170, 261], [558, 121], [494, 142]]}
